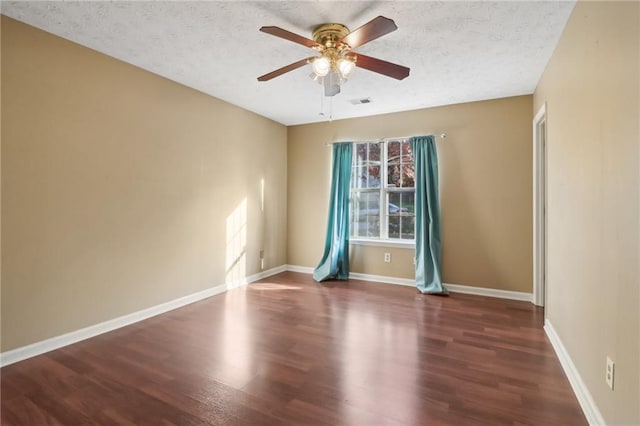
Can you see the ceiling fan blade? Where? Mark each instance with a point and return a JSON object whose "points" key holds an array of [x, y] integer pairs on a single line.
{"points": [[285, 69], [288, 35], [382, 67], [370, 31]]}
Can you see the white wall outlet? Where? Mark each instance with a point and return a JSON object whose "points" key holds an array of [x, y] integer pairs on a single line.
{"points": [[387, 257], [610, 372], [261, 254]]}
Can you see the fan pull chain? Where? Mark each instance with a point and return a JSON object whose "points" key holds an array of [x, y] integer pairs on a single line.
{"points": [[331, 109], [322, 100]]}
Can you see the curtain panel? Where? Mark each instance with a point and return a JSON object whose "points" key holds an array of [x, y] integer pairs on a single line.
{"points": [[335, 259], [427, 211]]}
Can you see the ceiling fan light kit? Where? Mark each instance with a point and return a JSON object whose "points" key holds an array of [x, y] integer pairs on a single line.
{"points": [[336, 60]]}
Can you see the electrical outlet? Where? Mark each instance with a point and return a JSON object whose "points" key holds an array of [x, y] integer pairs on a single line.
{"points": [[261, 254], [387, 257], [610, 372]]}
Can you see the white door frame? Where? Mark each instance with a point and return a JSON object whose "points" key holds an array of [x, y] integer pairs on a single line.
{"points": [[539, 205]]}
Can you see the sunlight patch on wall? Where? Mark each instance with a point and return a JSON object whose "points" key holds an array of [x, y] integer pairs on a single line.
{"points": [[236, 264]]}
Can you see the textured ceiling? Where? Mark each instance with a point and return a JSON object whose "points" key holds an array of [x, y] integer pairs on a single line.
{"points": [[457, 51]]}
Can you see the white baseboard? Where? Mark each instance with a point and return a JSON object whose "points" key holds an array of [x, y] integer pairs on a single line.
{"points": [[588, 405], [491, 292], [454, 288], [301, 269], [24, 352], [382, 279]]}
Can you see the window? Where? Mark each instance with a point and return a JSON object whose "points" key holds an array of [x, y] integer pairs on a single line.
{"points": [[383, 174]]}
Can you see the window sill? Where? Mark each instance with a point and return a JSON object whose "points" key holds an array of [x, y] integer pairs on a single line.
{"points": [[383, 243]]}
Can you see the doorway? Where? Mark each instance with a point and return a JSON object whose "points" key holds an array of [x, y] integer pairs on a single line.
{"points": [[540, 206]]}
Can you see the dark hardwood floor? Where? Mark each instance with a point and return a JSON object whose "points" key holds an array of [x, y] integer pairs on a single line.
{"points": [[289, 351]]}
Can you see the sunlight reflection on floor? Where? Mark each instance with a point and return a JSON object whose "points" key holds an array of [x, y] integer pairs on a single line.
{"points": [[272, 286]]}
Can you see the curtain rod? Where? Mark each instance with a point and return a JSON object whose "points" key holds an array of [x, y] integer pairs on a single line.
{"points": [[441, 136]]}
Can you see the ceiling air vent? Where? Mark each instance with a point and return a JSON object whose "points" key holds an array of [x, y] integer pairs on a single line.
{"points": [[360, 101]]}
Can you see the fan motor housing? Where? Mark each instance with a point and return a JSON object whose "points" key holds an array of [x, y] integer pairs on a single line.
{"points": [[329, 34]]}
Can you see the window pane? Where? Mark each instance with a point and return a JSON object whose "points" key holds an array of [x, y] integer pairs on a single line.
{"points": [[368, 153], [393, 152], [394, 226], [359, 177], [408, 175], [366, 177], [401, 176], [401, 215], [361, 152], [407, 201], [367, 166], [400, 169], [374, 152], [395, 203], [407, 154], [365, 217], [408, 227], [374, 177], [393, 176]]}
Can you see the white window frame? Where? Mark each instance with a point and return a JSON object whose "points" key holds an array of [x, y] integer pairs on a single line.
{"points": [[383, 239]]}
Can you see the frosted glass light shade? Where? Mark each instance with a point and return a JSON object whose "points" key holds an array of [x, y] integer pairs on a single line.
{"points": [[321, 66], [346, 67]]}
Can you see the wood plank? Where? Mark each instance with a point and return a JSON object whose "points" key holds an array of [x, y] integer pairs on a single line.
{"points": [[287, 351]]}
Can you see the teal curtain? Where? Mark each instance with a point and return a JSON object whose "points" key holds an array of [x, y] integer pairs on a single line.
{"points": [[427, 210], [335, 260]]}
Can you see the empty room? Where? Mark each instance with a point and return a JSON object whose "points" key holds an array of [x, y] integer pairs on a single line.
{"points": [[320, 213]]}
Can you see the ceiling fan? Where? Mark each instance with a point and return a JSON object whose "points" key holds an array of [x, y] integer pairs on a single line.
{"points": [[337, 60]]}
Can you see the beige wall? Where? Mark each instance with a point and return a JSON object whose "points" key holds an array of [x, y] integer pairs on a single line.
{"points": [[591, 90], [0, 184], [485, 191], [121, 189]]}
